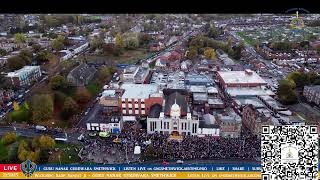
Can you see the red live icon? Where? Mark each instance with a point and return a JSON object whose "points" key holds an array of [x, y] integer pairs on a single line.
{"points": [[9, 167]]}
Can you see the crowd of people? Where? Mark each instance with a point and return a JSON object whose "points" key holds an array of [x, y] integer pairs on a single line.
{"points": [[160, 147]]}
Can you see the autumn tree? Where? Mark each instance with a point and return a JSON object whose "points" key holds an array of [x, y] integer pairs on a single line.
{"points": [[82, 96], [9, 138], [42, 107], [46, 142], [210, 53], [96, 43], [119, 41], [104, 75]]}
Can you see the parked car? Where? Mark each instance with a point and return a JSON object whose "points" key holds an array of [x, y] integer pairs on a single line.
{"points": [[165, 163], [179, 162], [41, 128]]}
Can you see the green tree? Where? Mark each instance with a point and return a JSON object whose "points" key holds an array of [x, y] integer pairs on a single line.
{"points": [[9, 138], [58, 43], [286, 92], [214, 32], [3, 52], [299, 78], [26, 55], [70, 107], [20, 38], [15, 62], [36, 47], [58, 82], [96, 43], [42, 107], [192, 53], [42, 57]]}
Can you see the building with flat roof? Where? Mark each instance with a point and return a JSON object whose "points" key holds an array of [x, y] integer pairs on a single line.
{"points": [[24, 76], [242, 83], [247, 78], [129, 73], [138, 98]]}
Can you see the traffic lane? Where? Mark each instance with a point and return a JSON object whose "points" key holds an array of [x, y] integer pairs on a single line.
{"points": [[91, 115], [31, 132]]}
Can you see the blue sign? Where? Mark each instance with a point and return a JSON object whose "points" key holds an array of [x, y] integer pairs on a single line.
{"points": [[139, 168]]}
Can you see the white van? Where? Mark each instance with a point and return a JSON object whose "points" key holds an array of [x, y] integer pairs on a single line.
{"points": [[41, 128]]}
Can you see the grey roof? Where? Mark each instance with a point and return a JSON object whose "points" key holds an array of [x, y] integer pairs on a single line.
{"points": [[82, 73], [208, 121], [315, 88], [155, 111]]}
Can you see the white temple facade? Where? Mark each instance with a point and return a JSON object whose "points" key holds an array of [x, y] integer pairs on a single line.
{"points": [[174, 124]]}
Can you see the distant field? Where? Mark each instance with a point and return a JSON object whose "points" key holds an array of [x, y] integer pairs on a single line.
{"points": [[278, 34], [128, 57]]}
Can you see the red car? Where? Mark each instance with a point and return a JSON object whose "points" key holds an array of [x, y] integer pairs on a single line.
{"points": [[165, 163]]}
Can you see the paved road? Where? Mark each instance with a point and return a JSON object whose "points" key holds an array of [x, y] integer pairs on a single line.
{"points": [[31, 132]]}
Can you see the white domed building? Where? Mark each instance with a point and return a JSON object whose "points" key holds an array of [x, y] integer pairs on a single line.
{"points": [[173, 117]]}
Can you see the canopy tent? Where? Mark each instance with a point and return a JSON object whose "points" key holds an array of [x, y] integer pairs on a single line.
{"points": [[137, 150], [104, 134]]}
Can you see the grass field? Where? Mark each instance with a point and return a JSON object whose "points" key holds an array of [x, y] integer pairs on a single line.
{"points": [[246, 38], [65, 151], [128, 57]]}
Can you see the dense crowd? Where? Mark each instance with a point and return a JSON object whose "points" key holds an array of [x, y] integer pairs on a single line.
{"points": [[160, 147]]}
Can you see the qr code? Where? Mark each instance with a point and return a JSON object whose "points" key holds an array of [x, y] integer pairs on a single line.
{"points": [[289, 152]]}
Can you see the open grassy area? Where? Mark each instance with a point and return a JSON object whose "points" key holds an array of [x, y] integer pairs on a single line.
{"points": [[93, 88], [128, 57], [67, 152], [247, 39]]}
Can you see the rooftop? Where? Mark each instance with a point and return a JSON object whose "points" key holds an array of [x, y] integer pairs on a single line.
{"points": [[130, 69], [141, 91], [241, 77], [250, 100], [247, 91], [23, 70], [315, 88]]}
